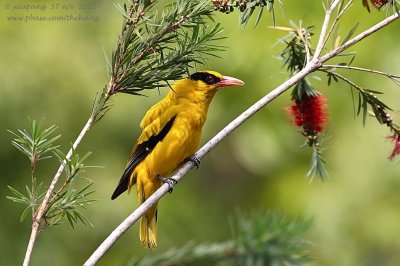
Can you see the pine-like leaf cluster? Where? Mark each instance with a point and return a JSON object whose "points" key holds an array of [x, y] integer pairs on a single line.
{"points": [[258, 238], [155, 47], [66, 202]]}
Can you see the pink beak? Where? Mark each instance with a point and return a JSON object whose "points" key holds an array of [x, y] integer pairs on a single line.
{"points": [[230, 81]]}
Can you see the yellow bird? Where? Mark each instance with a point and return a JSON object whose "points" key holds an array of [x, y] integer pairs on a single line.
{"points": [[171, 134]]}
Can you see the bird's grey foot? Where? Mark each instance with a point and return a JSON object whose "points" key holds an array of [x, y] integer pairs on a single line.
{"points": [[170, 181], [195, 161]]}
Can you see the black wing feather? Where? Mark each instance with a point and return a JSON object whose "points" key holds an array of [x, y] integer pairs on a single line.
{"points": [[140, 152]]}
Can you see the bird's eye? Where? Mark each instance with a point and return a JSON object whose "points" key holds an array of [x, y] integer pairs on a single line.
{"points": [[210, 79]]}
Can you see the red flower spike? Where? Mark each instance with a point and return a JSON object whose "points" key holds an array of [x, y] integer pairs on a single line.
{"points": [[310, 113], [379, 3], [396, 148]]}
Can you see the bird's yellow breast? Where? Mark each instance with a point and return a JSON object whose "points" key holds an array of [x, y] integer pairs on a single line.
{"points": [[181, 142]]}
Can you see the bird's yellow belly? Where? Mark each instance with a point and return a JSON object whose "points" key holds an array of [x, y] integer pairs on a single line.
{"points": [[179, 144]]}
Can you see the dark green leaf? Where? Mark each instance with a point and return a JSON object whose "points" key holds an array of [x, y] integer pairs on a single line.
{"points": [[365, 109], [260, 12], [350, 33], [70, 219], [359, 102], [353, 101]]}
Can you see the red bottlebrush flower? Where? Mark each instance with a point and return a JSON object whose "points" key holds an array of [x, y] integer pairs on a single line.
{"points": [[310, 113], [376, 3], [379, 3], [396, 148]]}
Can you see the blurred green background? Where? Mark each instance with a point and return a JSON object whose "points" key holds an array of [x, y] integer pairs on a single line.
{"points": [[54, 69]]}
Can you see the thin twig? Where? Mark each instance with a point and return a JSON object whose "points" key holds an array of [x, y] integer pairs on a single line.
{"points": [[394, 77], [304, 36], [335, 21], [348, 81], [33, 180], [43, 206], [325, 25], [309, 68]]}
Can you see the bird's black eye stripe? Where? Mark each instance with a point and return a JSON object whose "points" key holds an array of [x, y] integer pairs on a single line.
{"points": [[205, 77]]}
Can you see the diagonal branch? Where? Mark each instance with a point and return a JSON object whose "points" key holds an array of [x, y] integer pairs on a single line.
{"points": [[309, 68], [142, 209]]}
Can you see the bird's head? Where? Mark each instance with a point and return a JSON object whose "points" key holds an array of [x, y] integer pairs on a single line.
{"points": [[201, 86], [212, 81]]}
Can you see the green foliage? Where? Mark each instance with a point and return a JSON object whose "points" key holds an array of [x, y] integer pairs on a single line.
{"points": [[259, 238], [101, 105], [298, 52], [317, 164], [155, 47], [269, 238], [66, 204], [73, 164], [189, 254], [366, 98], [247, 8], [297, 46], [31, 200], [303, 89], [36, 144]]}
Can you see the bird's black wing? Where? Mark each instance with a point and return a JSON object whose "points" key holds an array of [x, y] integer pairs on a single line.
{"points": [[140, 152]]}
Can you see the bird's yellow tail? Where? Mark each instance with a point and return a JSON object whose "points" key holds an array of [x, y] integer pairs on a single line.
{"points": [[145, 187], [148, 230]]}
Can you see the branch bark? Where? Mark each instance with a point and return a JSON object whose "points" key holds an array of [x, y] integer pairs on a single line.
{"points": [[311, 66], [142, 209]]}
